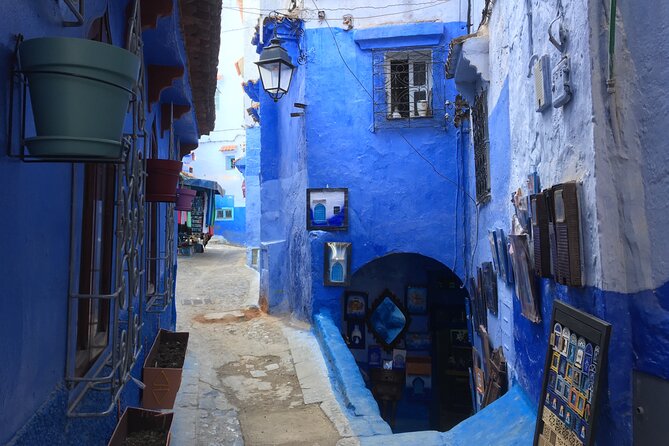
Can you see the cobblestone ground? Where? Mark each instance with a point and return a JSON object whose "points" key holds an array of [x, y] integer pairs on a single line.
{"points": [[249, 378]]}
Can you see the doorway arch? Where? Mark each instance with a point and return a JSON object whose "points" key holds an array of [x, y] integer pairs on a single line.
{"points": [[431, 362]]}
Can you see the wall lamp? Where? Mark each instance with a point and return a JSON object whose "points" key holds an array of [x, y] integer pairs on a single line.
{"points": [[275, 68]]}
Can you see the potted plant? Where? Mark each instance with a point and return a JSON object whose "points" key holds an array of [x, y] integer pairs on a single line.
{"points": [[79, 92], [141, 427], [162, 179], [185, 198], [163, 368]]}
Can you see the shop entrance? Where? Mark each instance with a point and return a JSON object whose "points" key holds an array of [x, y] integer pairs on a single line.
{"points": [[405, 322]]}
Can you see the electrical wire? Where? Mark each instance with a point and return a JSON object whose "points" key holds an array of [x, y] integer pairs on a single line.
{"points": [[342, 57], [352, 8]]}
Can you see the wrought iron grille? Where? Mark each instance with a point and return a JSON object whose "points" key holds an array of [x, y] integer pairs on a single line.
{"points": [[97, 393], [481, 147], [408, 88]]}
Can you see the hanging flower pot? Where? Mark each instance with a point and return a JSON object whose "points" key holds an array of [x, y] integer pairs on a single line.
{"points": [[162, 179], [185, 199], [79, 92]]}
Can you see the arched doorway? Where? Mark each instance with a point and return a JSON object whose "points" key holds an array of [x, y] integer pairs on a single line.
{"points": [[419, 375]]}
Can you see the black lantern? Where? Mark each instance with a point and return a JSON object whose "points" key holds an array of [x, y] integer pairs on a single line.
{"points": [[276, 69]]}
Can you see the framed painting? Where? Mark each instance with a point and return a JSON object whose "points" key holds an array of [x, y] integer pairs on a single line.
{"points": [[356, 334], [337, 264], [327, 209], [387, 320], [416, 299], [355, 305]]}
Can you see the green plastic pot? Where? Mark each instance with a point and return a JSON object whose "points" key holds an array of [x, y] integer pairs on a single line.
{"points": [[79, 95]]}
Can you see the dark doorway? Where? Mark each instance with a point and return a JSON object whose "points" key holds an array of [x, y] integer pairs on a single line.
{"points": [[421, 378]]}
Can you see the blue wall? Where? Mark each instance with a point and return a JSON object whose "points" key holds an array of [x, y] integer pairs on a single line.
{"points": [[640, 321], [252, 177], [234, 231], [397, 203], [285, 261], [35, 263]]}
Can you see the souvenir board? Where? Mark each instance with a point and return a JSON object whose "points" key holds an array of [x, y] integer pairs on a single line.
{"points": [[575, 362]]}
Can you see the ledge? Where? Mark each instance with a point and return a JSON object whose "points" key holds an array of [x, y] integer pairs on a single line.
{"points": [[362, 409], [400, 36], [469, 64]]}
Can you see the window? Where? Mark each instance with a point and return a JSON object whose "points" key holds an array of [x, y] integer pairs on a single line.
{"points": [[225, 214], [408, 84], [409, 88], [481, 147], [229, 162], [96, 265]]}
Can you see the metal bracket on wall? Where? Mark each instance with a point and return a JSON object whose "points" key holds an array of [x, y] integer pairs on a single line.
{"points": [[77, 10]]}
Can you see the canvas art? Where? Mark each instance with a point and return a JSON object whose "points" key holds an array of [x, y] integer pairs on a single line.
{"points": [[355, 305], [416, 299], [577, 349], [356, 334], [337, 264], [327, 209]]}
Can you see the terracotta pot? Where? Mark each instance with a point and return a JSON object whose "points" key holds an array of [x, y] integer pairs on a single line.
{"points": [[162, 179], [185, 199], [162, 383], [138, 420]]}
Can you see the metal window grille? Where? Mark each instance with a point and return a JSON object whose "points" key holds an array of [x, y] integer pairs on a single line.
{"points": [[481, 147], [406, 91]]}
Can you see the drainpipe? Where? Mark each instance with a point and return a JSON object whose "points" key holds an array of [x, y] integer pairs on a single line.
{"points": [[528, 6], [611, 81]]}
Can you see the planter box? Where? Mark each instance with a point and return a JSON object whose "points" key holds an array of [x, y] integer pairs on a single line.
{"points": [[136, 420], [162, 383]]}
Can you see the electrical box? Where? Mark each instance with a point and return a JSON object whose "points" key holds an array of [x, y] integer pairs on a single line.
{"points": [[562, 90], [540, 238], [569, 268], [542, 81]]}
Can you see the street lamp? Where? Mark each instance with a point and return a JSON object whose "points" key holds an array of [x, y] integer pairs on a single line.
{"points": [[276, 69]]}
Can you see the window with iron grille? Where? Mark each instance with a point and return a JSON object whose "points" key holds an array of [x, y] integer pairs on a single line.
{"points": [[481, 147], [406, 91]]}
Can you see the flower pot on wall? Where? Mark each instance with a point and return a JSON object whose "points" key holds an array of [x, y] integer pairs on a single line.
{"points": [[185, 199], [162, 179], [141, 426], [163, 368], [79, 91]]}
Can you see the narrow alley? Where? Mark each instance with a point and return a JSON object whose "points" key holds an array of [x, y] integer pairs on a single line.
{"points": [[249, 378]]}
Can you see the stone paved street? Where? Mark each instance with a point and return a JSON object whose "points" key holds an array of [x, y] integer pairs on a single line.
{"points": [[249, 378]]}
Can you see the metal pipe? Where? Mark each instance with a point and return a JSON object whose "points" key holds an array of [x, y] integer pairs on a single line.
{"points": [[611, 81]]}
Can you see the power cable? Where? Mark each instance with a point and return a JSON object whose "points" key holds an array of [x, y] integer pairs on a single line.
{"points": [[352, 8]]}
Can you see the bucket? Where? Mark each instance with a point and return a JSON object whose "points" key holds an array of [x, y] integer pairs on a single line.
{"points": [[161, 180], [185, 199], [79, 95]]}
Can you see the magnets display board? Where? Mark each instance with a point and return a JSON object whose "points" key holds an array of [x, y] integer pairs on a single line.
{"points": [[575, 362]]}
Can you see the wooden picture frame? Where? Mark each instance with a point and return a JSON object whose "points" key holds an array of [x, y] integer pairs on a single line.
{"points": [[336, 264], [355, 305], [416, 299], [327, 209], [568, 408]]}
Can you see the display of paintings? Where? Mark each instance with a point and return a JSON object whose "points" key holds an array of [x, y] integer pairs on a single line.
{"points": [[399, 358], [418, 341], [419, 324], [337, 263], [489, 287], [374, 356], [577, 350], [355, 305], [524, 277], [416, 299], [327, 209], [356, 334]]}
